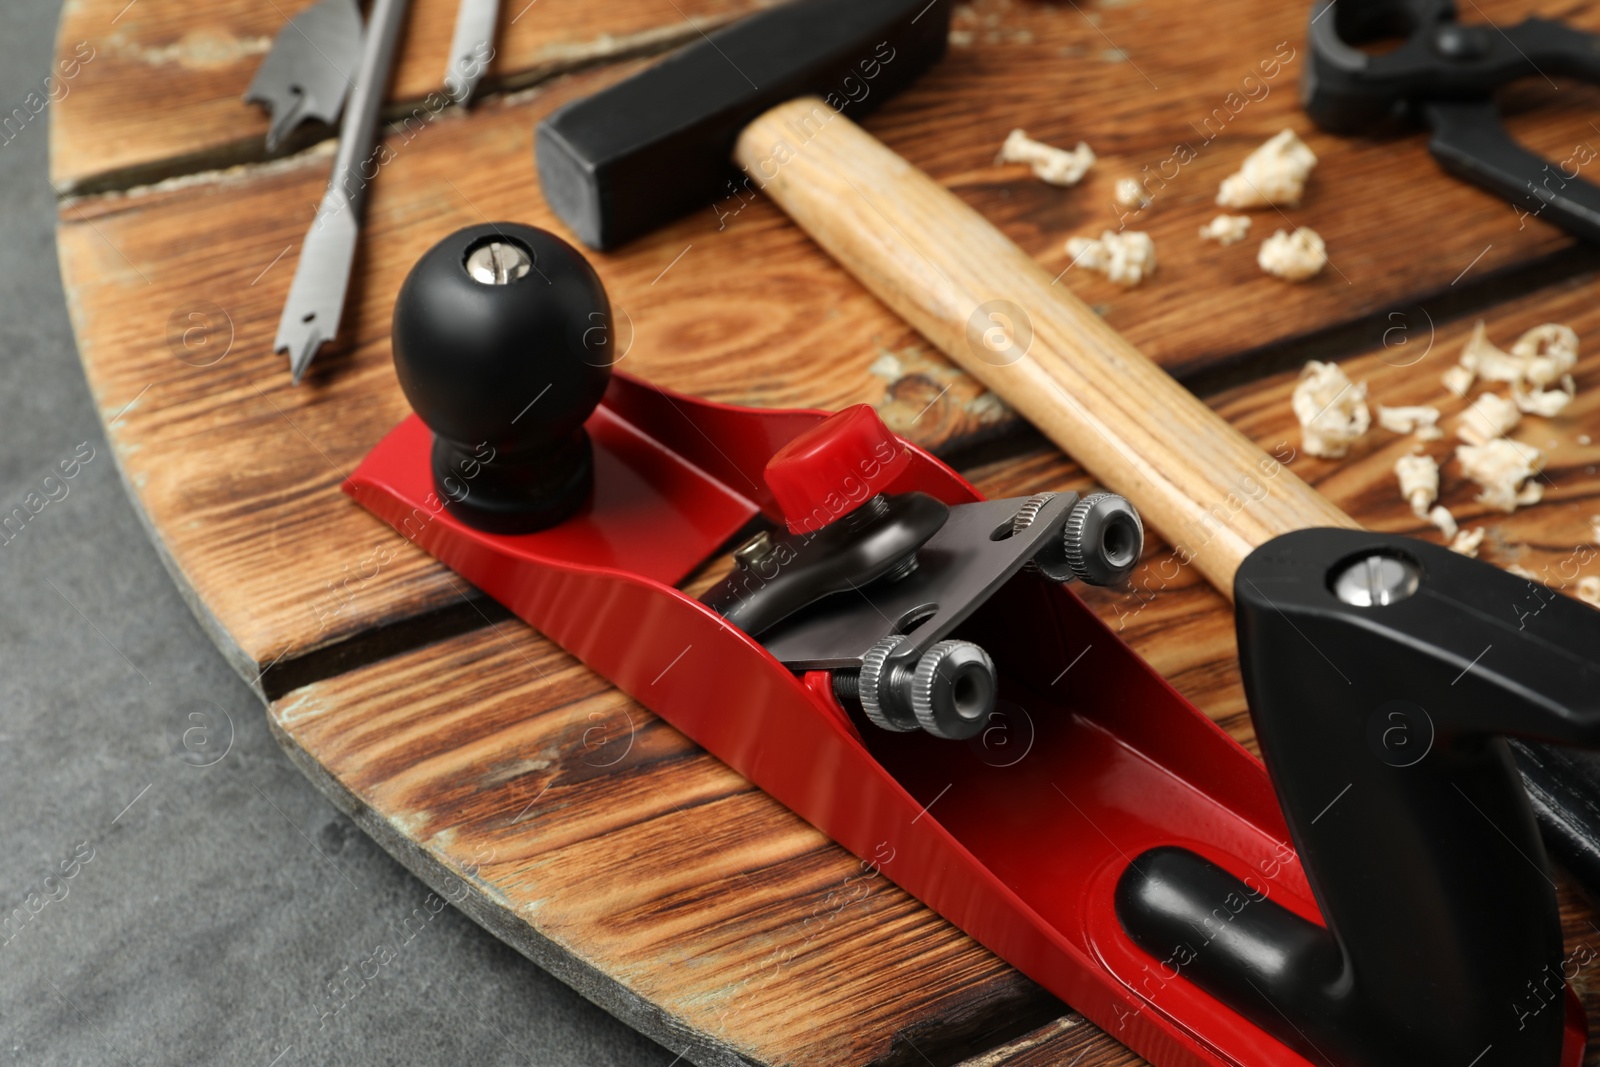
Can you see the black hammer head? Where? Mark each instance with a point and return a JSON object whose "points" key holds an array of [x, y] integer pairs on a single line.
{"points": [[659, 145]]}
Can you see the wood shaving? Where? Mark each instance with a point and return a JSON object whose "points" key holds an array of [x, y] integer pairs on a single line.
{"points": [[1126, 258], [1467, 542], [1589, 591], [1486, 360], [1131, 195], [1501, 468], [1594, 528], [1226, 229], [1542, 357], [1331, 408], [1419, 481], [1274, 174], [1440, 516], [1050, 164], [1294, 256], [1422, 421], [1458, 380], [1546, 403], [1490, 416], [1547, 352], [1522, 572]]}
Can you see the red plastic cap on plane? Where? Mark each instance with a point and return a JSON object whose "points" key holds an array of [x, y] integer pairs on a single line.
{"points": [[835, 467]]}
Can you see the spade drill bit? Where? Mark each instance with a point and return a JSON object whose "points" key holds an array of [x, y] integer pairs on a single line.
{"points": [[308, 71], [322, 278]]}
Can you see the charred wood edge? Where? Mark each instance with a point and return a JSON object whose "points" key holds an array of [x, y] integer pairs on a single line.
{"points": [[469, 611], [978, 1028]]}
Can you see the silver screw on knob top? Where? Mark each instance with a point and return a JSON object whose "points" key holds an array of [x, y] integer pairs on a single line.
{"points": [[498, 263], [1376, 580]]}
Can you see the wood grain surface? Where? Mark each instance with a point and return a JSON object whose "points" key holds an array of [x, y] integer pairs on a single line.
{"points": [[662, 885]]}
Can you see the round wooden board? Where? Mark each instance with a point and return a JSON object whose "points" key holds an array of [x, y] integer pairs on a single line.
{"points": [[561, 816]]}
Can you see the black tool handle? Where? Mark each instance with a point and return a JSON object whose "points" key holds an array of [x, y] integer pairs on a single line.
{"points": [[1470, 142], [1384, 675]]}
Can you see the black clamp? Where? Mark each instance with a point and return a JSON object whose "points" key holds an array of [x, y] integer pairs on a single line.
{"points": [[1444, 76], [1384, 675]]}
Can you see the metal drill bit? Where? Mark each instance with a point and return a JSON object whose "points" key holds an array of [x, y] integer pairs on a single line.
{"points": [[308, 72], [322, 278], [471, 48]]}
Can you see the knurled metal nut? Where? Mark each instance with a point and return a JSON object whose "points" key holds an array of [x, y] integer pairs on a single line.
{"points": [[1051, 570], [1030, 511], [927, 675], [1076, 539], [871, 681]]}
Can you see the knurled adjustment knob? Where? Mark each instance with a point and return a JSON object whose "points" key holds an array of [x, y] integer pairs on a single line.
{"points": [[1051, 560], [835, 468], [953, 690], [949, 690], [502, 343], [1103, 538], [877, 688]]}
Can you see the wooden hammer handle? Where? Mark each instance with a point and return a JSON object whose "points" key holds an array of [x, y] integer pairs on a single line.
{"points": [[1204, 486]]}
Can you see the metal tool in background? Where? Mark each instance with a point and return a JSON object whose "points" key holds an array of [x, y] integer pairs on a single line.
{"points": [[309, 70], [322, 278], [471, 48], [1444, 76]]}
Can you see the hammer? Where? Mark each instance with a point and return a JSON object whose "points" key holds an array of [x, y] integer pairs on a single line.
{"points": [[774, 94]]}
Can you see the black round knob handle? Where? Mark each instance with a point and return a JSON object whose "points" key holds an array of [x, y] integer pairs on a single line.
{"points": [[503, 345]]}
